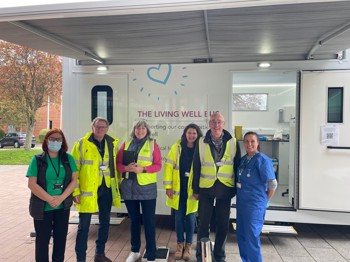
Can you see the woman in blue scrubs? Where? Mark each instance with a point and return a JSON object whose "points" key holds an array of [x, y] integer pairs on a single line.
{"points": [[256, 184]]}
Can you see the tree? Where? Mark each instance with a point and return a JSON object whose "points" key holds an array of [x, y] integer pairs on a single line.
{"points": [[27, 78], [8, 111]]}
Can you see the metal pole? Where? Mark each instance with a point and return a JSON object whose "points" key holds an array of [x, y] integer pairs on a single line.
{"points": [[206, 249]]}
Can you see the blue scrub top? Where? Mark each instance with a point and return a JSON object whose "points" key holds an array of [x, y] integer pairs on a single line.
{"points": [[253, 176]]}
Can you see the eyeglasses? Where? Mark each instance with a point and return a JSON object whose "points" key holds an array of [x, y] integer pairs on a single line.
{"points": [[100, 127], [55, 139], [215, 123]]}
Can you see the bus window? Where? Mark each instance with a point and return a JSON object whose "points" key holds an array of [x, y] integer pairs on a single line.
{"points": [[335, 105], [102, 102]]}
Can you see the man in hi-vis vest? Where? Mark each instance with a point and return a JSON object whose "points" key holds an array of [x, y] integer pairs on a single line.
{"points": [[97, 187], [216, 158]]}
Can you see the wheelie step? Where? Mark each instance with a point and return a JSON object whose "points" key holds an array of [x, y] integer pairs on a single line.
{"points": [[115, 220], [275, 229]]}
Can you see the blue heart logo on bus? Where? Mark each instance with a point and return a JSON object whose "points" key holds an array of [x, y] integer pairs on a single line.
{"points": [[159, 74]]}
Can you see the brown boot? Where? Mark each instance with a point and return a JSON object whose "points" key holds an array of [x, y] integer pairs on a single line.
{"points": [[179, 251], [187, 251]]}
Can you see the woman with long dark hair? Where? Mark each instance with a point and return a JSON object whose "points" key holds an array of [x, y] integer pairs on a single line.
{"points": [[256, 184], [178, 185]]}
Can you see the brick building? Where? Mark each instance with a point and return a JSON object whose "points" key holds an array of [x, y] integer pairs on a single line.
{"points": [[53, 112]]}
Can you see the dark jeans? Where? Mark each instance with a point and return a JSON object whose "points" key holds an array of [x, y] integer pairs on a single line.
{"points": [[104, 201], [148, 216], [184, 223], [222, 217], [55, 221]]}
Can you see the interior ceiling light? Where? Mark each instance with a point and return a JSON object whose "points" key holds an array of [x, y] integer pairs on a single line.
{"points": [[264, 65], [102, 68]]}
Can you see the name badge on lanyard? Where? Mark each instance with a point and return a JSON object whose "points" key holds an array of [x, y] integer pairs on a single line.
{"points": [[219, 164]]}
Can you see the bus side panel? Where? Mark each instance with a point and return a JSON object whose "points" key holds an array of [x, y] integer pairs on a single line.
{"points": [[324, 173], [77, 112], [170, 97]]}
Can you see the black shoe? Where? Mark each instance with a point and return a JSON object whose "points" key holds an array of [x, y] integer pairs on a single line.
{"points": [[102, 258]]}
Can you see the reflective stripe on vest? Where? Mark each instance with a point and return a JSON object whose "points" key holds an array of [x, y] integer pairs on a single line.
{"points": [[86, 193]]}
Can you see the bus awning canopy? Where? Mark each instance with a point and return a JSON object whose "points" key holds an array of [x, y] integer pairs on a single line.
{"points": [[152, 32]]}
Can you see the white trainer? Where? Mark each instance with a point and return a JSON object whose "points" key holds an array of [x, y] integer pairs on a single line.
{"points": [[133, 256]]}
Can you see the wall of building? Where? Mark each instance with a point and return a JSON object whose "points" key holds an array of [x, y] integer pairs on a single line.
{"points": [[53, 112]]}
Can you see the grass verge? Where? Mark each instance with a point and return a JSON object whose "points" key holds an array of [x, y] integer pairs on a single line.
{"points": [[17, 156]]}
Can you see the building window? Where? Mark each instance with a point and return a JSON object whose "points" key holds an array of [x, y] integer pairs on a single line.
{"points": [[102, 102], [335, 105], [249, 102]]}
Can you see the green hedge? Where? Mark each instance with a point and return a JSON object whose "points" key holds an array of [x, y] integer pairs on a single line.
{"points": [[2, 133], [42, 134]]}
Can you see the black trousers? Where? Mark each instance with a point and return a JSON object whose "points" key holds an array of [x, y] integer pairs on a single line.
{"points": [[55, 221], [222, 217]]}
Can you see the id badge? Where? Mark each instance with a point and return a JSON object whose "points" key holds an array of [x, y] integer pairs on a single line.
{"points": [[238, 185], [219, 164], [103, 167], [187, 174], [57, 186]]}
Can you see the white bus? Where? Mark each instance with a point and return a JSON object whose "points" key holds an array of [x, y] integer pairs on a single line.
{"points": [[173, 62], [301, 114]]}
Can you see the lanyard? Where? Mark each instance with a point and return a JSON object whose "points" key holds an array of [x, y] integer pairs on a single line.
{"points": [[243, 167], [59, 166]]}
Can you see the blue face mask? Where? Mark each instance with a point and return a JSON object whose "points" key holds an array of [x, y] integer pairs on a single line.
{"points": [[54, 146]]}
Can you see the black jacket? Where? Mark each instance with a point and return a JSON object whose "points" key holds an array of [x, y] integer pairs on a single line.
{"points": [[37, 205]]}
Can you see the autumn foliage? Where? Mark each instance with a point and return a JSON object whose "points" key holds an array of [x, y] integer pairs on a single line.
{"points": [[27, 78]]}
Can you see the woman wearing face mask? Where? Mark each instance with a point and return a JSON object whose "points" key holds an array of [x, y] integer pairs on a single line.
{"points": [[51, 179]]}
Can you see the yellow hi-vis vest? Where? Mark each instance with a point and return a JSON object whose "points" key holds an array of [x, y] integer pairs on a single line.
{"points": [[209, 171], [145, 158], [88, 161], [172, 180]]}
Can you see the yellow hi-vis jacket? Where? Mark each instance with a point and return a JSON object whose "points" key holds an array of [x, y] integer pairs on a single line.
{"points": [[209, 171], [172, 180], [145, 158], [88, 161]]}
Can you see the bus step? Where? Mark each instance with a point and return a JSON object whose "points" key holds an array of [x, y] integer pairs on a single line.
{"points": [[115, 220], [275, 229]]}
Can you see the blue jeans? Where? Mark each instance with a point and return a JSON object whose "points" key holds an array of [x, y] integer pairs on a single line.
{"points": [[104, 201], [184, 223], [149, 222]]}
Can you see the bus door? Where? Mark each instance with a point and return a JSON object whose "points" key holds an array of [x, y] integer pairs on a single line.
{"points": [[324, 168]]}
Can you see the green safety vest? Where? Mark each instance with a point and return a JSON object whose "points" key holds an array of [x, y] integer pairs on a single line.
{"points": [[145, 158], [88, 161], [209, 171], [172, 180]]}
